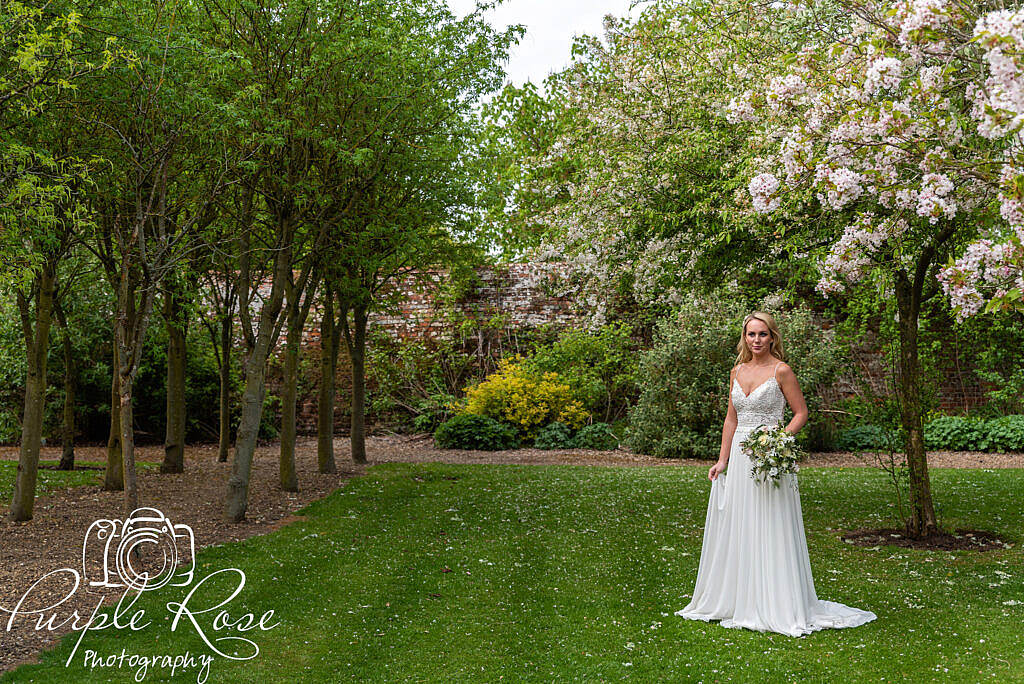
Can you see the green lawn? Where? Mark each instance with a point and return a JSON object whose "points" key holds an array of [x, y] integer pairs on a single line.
{"points": [[50, 480], [574, 572]]}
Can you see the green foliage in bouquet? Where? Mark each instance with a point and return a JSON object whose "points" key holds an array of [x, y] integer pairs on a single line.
{"points": [[773, 453]]}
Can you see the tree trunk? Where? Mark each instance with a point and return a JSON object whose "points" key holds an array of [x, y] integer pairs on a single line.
{"points": [[113, 480], [922, 521], [174, 442], [248, 431], [329, 343], [131, 488], [67, 456], [225, 389], [37, 335], [134, 304], [357, 351], [288, 479], [237, 499], [130, 326]]}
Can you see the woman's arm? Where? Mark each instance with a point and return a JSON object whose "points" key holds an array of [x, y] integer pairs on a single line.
{"points": [[728, 430], [791, 389]]}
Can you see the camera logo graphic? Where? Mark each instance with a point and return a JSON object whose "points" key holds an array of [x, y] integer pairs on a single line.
{"points": [[143, 552]]}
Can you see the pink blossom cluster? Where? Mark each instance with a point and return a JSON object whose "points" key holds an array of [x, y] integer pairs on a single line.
{"points": [[884, 73], [985, 265], [913, 16], [784, 89], [851, 256], [934, 201], [740, 108], [999, 105], [763, 188], [796, 156], [1010, 206], [841, 185]]}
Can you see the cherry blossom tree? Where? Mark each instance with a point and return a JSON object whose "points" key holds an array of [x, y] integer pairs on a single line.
{"points": [[900, 119], [634, 178]]}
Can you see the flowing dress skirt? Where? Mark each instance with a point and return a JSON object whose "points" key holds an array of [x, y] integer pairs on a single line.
{"points": [[754, 570]]}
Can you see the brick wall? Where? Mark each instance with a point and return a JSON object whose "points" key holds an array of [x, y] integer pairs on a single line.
{"points": [[518, 294], [960, 391]]}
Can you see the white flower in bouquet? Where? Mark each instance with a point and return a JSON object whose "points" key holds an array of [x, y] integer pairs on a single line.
{"points": [[773, 453]]}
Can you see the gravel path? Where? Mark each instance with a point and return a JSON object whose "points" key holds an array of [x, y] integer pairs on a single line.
{"points": [[53, 539]]}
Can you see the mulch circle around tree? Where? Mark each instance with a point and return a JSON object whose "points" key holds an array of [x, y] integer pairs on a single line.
{"points": [[958, 540]]}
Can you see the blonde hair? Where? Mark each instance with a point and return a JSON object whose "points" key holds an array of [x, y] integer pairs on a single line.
{"points": [[775, 346]]}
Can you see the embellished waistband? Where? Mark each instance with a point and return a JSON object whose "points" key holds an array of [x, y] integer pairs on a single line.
{"points": [[751, 422]]}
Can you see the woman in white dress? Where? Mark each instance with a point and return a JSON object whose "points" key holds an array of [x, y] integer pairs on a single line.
{"points": [[754, 570]]}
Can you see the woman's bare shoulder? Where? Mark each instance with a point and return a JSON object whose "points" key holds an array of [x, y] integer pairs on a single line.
{"points": [[784, 371]]}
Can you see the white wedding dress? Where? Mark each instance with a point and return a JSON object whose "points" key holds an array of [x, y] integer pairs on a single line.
{"points": [[754, 570]]}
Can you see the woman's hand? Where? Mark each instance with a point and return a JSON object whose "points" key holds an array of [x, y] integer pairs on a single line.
{"points": [[716, 470]]}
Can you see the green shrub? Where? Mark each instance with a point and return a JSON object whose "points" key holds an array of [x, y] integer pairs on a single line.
{"points": [[415, 380], [521, 397], [684, 377], [1006, 433], [597, 436], [864, 437], [555, 436], [956, 433], [471, 431], [600, 367], [432, 411]]}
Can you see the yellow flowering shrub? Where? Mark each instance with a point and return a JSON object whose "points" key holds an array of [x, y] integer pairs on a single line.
{"points": [[527, 400]]}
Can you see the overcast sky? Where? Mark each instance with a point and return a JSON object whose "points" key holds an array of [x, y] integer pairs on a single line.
{"points": [[550, 27]]}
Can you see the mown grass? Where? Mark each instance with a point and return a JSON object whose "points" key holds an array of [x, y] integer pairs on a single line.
{"points": [[573, 573], [51, 480]]}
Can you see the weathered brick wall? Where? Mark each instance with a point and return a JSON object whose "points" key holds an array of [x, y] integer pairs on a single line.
{"points": [[518, 293], [960, 391]]}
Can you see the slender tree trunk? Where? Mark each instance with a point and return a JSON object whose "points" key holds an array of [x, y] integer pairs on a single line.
{"points": [[131, 487], [67, 457], [288, 479], [248, 430], [357, 352], [113, 480], [130, 331], [225, 389], [922, 520], [299, 297], [37, 335], [329, 343], [134, 304], [174, 442], [237, 499]]}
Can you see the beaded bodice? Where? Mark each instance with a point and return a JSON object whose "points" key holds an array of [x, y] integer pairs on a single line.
{"points": [[763, 406]]}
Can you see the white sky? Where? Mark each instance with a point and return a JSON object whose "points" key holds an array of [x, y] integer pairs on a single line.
{"points": [[550, 27]]}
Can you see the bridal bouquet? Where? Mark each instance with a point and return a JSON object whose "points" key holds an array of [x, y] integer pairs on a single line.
{"points": [[773, 452]]}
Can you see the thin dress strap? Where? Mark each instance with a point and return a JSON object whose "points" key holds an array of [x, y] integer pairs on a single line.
{"points": [[776, 370]]}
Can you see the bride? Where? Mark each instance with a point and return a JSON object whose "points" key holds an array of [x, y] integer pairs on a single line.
{"points": [[754, 570]]}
